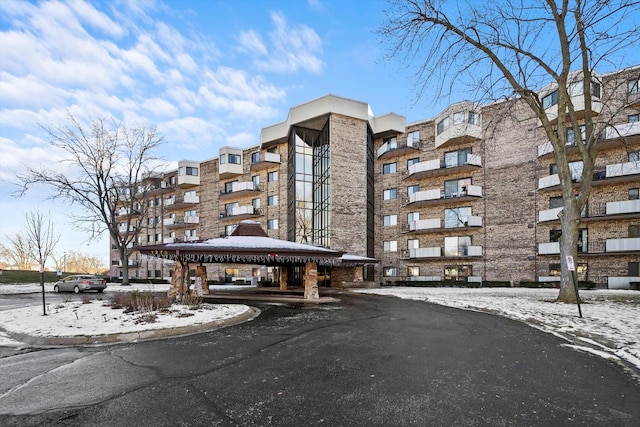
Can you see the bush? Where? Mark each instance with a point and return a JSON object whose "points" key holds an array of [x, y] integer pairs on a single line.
{"points": [[139, 301], [547, 285], [634, 286]]}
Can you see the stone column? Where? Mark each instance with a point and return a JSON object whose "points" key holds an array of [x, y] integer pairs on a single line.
{"points": [[311, 281], [179, 280], [201, 287], [283, 273]]}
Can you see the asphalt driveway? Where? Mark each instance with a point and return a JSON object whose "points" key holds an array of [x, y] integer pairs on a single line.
{"points": [[368, 361]]}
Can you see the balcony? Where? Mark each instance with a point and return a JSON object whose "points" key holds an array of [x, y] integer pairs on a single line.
{"points": [[579, 108], [240, 212], [124, 212], [230, 162], [459, 134], [629, 244], [425, 224], [167, 240], [623, 207], [431, 168], [551, 248], [436, 195], [176, 203], [622, 282], [191, 238], [463, 251], [122, 229], [130, 263], [434, 252], [180, 223], [397, 148], [266, 160], [622, 130], [240, 189], [549, 214]]}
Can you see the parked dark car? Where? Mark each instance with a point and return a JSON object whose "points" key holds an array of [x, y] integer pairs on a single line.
{"points": [[79, 283]]}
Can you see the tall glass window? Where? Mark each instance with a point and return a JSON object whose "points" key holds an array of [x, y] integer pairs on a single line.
{"points": [[311, 186]]}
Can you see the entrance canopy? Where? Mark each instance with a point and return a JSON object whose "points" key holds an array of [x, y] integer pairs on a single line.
{"points": [[248, 244]]}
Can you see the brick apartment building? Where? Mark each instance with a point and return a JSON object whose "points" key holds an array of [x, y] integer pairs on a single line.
{"points": [[471, 194]]}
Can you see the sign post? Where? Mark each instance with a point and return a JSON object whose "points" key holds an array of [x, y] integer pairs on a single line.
{"points": [[572, 268]]}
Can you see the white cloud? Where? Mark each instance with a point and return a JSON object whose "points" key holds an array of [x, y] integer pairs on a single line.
{"points": [[291, 47]]}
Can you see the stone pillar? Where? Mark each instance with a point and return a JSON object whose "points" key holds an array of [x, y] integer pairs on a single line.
{"points": [[201, 287], [179, 280], [283, 273], [311, 281]]}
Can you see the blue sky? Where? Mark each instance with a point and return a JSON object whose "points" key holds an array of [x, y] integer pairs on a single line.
{"points": [[206, 73]]}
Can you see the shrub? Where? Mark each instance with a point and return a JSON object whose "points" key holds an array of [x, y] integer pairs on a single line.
{"points": [[139, 301]]}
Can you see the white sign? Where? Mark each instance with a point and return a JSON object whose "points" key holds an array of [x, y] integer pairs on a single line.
{"points": [[59, 272], [570, 265]]}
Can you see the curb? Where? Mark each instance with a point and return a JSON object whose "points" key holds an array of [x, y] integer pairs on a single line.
{"points": [[249, 314]]}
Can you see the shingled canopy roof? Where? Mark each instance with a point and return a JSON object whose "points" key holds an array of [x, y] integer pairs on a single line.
{"points": [[248, 244]]}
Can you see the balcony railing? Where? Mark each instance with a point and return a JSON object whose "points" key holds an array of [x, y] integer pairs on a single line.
{"points": [[239, 187], [397, 148], [623, 245], [549, 248], [240, 211], [433, 252], [622, 130], [623, 207], [424, 224], [266, 160], [623, 169], [435, 167], [459, 133], [457, 251], [438, 194], [621, 282], [549, 214]]}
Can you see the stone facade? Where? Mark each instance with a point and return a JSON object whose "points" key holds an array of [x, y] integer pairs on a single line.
{"points": [[461, 196]]}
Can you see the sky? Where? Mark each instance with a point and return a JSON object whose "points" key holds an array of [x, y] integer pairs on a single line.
{"points": [[206, 73]]}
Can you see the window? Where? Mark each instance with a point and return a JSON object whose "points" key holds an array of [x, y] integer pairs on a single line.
{"points": [[235, 159], [150, 222], [456, 187], [459, 273], [633, 86], [256, 203], [149, 238], [413, 216], [188, 170], [390, 271], [633, 118], [550, 100], [389, 168], [413, 244], [158, 273], [442, 125], [474, 118], [255, 157], [457, 245], [392, 143], [413, 271], [115, 263], [390, 246], [456, 158], [223, 159], [272, 200], [574, 167], [583, 240], [390, 220], [634, 269], [554, 235], [634, 230], [172, 180], [272, 176], [412, 189], [190, 213], [458, 118], [228, 186], [571, 136], [634, 193], [256, 180], [272, 224], [634, 156], [390, 194], [412, 161], [413, 138], [456, 217], [556, 202]]}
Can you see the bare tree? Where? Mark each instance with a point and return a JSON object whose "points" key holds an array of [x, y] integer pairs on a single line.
{"points": [[111, 170], [77, 262], [17, 252], [42, 241], [510, 50]]}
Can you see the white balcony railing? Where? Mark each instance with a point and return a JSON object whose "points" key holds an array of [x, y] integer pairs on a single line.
{"points": [[168, 221], [425, 224], [272, 157], [622, 207], [474, 159], [621, 282], [191, 199], [424, 166], [623, 169], [190, 238], [626, 244], [545, 148], [242, 186], [549, 248], [549, 214], [425, 252], [242, 210], [474, 190], [168, 240], [192, 220], [419, 196], [622, 130], [474, 221], [548, 181]]}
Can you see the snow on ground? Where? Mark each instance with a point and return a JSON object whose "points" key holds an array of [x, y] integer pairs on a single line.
{"points": [[75, 318], [610, 323]]}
